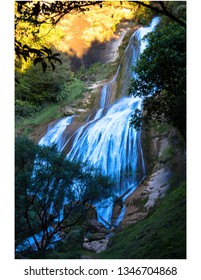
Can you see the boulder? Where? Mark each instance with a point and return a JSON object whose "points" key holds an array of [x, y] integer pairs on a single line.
{"points": [[96, 246], [68, 111], [95, 236], [94, 226]]}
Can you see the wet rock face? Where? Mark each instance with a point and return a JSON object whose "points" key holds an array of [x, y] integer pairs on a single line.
{"points": [[117, 209], [153, 146], [157, 181]]}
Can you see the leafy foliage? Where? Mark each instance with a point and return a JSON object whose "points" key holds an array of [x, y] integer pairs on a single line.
{"points": [[97, 72], [165, 8], [161, 78], [52, 192], [36, 13], [39, 56], [38, 88], [35, 90]]}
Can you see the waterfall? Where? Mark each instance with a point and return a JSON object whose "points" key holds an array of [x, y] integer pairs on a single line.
{"points": [[106, 140], [54, 134]]}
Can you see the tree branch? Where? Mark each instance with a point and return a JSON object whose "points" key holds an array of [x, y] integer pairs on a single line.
{"points": [[162, 11]]}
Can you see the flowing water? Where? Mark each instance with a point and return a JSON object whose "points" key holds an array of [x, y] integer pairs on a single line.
{"points": [[106, 140]]}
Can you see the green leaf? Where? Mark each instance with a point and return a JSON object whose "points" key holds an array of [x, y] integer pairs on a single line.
{"points": [[44, 65], [56, 54], [46, 50], [53, 67], [56, 59], [37, 60]]}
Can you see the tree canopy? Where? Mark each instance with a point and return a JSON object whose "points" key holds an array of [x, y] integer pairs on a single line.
{"points": [[35, 13], [161, 77], [165, 8], [53, 195]]}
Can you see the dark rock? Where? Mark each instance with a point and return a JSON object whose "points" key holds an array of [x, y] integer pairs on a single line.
{"points": [[94, 226], [96, 236]]}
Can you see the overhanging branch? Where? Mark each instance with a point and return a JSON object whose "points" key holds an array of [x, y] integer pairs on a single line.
{"points": [[162, 11]]}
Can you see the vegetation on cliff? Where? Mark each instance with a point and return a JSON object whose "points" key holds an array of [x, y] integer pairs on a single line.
{"points": [[161, 235]]}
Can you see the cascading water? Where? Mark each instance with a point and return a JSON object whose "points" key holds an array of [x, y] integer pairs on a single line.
{"points": [[106, 140], [54, 135]]}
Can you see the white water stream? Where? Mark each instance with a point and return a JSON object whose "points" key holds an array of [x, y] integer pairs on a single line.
{"points": [[107, 141]]}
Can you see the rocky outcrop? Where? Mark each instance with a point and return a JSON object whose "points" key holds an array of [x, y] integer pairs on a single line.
{"points": [[96, 238], [93, 226], [157, 185], [96, 246], [69, 111], [146, 195], [159, 169]]}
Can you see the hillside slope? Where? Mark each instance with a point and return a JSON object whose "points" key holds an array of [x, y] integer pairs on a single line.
{"points": [[161, 235]]}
